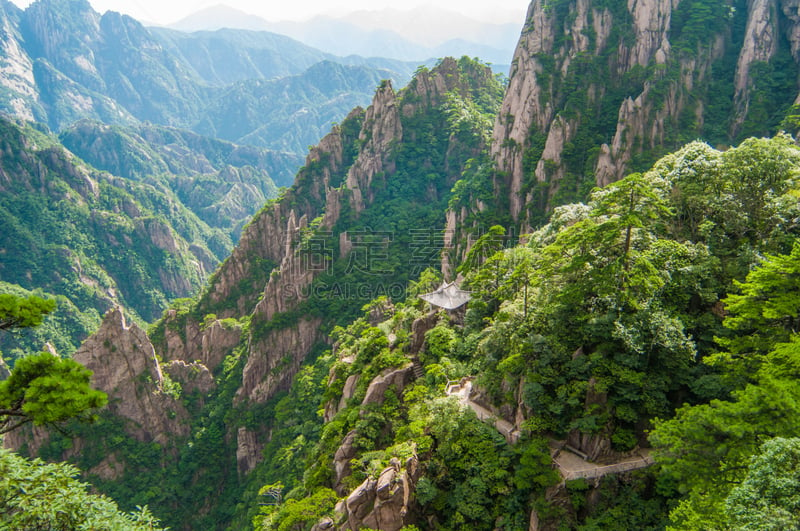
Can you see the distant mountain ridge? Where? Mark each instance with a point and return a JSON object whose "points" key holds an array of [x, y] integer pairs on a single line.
{"points": [[410, 35], [61, 61]]}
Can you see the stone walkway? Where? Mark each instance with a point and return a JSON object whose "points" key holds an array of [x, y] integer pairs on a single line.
{"points": [[462, 390], [571, 465]]}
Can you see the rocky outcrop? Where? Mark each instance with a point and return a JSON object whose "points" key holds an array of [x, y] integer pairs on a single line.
{"points": [[543, 121], [161, 236], [396, 379], [193, 377], [381, 129], [216, 342], [791, 10], [760, 44], [248, 450], [270, 238], [341, 460], [535, 103], [596, 445], [275, 356], [385, 502], [651, 25], [124, 365], [16, 69], [638, 119], [273, 362], [206, 343], [332, 407], [109, 469], [418, 330], [64, 34]]}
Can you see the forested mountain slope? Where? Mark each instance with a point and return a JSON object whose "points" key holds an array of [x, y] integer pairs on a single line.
{"points": [[102, 240], [146, 150], [651, 320], [390, 166], [62, 62], [604, 320]]}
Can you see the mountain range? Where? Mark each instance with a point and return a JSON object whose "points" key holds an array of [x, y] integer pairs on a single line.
{"points": [[416, 34], [617, 275], [63, 62]]}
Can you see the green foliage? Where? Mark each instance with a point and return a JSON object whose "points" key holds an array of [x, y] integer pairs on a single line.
{"points": [[706, 448], [37, 495], [628, 504], [468, 475], [93, 238], [45, 389], [597, 324], [696, 21], [485, 246], [298, 514], [764, 312], [769, 496], [64, 328], [16, 312], [534, 471], [440, 342], [770, 99]]}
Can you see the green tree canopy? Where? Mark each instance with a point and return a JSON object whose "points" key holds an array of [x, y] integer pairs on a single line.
{"points": [[764, 312], [45, 389], [20, 312], [769, 497], [42, 388], [706, 449], [38, 495]]}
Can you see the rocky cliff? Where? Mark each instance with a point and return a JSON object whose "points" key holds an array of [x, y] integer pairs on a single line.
{"points": [[597, 90], [19, 90], [124, 366]]}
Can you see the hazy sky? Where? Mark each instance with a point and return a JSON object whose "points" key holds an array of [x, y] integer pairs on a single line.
{"points": [[168, 11]]}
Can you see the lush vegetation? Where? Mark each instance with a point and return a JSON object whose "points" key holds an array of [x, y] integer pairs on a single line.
{"points": [[674, 286], [660, 311], [96, 239], [64, 328], [727, 458], [42, 388], [38, 495]]}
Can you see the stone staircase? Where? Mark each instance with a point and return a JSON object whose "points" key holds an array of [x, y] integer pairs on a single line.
{"points": [[419, 371]]}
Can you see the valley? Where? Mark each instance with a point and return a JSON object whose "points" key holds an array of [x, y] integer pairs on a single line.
{"points": [[620, 215]]}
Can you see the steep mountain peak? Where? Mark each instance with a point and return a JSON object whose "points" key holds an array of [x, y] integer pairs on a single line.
{"points": [[599, 90], [63, 31], [8, 9]]}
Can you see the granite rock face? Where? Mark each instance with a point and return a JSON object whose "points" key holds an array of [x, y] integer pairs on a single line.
{"points": [[124, 365], [539, 123], [385, 503]]}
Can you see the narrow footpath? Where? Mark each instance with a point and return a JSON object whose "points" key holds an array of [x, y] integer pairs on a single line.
{"points": [[570, 465]]}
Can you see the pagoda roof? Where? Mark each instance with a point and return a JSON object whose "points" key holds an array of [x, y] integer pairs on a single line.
{"points": [[448, 296]]}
